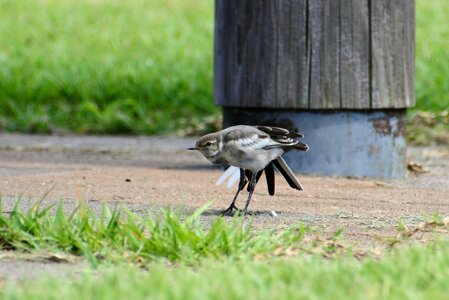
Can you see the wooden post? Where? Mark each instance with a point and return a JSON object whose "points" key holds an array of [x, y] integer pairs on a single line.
{"points": [[334, 67]]}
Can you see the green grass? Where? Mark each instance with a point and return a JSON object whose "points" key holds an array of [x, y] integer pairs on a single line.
{"points": [[419, 272], [102, 66], [425, 128], [121, 236], [432, 42], [170, 256], [142, 67], [431, 75]]}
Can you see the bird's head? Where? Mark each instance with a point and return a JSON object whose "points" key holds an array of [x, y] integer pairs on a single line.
{"points": [[208, 145]]}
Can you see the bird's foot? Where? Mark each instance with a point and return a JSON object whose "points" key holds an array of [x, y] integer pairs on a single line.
{"points": [[230, 210]]}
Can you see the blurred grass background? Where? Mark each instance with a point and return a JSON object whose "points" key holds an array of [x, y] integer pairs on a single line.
{"points": [[143, 67], [105, 66], [432, 67]]}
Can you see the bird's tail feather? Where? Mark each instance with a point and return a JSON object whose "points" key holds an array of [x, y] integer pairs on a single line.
{"points": [[249, 174], [283, 168], [300, 146], [269, 174]]}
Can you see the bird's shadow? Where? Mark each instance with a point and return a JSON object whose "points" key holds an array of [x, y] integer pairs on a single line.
{"points": [[251, 213]]}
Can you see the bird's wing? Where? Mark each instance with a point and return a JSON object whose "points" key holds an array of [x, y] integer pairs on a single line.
{"points": [[271, 130], [232, 174], [249, 138], [288, 139], [235, 177]]}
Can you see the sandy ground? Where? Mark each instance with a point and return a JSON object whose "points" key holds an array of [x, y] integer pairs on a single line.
{"points": [[151, 172]]}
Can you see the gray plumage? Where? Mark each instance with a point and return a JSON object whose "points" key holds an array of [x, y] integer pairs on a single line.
{"points": [[252, 149]]}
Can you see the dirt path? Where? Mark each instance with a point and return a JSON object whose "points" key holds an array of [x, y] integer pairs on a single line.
{"points": [[147, 173], [157, 171]]}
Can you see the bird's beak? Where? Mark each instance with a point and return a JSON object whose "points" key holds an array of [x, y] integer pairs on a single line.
{"points": [[193, 148]]}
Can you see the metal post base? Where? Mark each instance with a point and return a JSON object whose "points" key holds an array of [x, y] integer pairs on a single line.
{"points": [[343, 143]]}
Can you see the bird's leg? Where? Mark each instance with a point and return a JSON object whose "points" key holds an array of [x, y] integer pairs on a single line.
{"points": [[252, 186], [242, 183]]}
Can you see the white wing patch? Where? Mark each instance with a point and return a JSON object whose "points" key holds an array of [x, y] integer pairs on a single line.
{"points": [[234, 178], [232, 174]]}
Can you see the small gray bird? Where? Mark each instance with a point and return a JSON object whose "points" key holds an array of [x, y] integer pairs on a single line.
{"points": [[253, 149]]}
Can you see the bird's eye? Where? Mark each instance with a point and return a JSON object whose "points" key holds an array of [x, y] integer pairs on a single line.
{"points": [[208, 143]]}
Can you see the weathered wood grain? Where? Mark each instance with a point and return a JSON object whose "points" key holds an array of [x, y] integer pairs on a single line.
{"points": [[260, 68], [260, 53], [292, 67], [314, 54], [324, 35], [354, 54], [220, 67], [392, 53]]}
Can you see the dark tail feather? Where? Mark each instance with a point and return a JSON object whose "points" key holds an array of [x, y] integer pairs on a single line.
{"points": [[245, 182], [271, 130], [269, 174], [300, 146], [281, 165], [259, 175], [249, 174], [246, 175]]}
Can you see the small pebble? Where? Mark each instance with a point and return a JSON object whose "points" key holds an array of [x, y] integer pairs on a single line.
{"points": [[128, 180]]}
